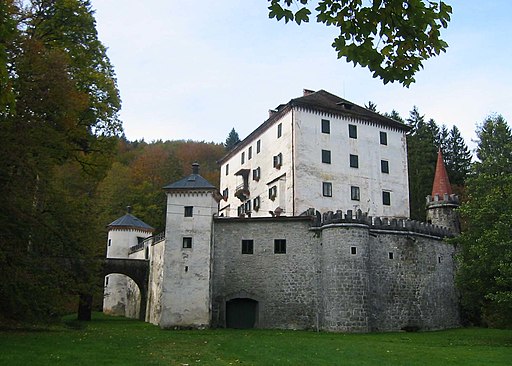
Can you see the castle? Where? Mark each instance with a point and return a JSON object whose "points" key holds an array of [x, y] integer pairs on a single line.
{"points": [[258, 255]]}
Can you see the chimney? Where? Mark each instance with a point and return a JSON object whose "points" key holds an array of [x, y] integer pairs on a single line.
{"points": [[271, 112], [195, 168], [128, 209], [306, 92]]}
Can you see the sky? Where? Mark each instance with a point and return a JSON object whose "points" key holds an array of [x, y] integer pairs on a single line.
{"points": [[195, 70]]}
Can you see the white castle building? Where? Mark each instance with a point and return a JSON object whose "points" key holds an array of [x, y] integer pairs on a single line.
{"points": [[274, 250]]}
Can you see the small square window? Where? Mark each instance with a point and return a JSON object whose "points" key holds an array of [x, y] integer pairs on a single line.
{"points": [[256, 174], [326, 126], [352, 131], [249, 153], [327, 189], [278, 161], [258, 146], [326, 156], [384, 166], [247, 246], [354, 161], [353, 250], [187, 242], [227, 169], [189, 211], [279, 130], [272, 193], [256, 203], [386, 198], [383, 138], [391, 255], [355, 193], [243, 158], [280, 246]]}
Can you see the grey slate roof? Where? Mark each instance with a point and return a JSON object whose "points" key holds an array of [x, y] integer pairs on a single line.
{"points": [[130, 221], [193, 181], [319, 101]]}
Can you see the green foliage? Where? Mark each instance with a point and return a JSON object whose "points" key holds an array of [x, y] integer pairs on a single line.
{"points": [[232, 140], [457, 157], [371, 106], [485, 273], [120, 341], [391, 37]]}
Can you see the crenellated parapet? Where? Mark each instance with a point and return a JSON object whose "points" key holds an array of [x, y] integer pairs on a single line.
{"points": [[378, 223], [445, 199]]}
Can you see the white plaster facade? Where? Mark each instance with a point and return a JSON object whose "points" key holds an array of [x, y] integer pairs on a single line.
{"points": [[300, 132]]}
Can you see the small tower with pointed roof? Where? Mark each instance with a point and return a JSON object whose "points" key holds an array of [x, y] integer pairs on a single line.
{"points": [[186, 298], [442, 204], [123, 233]]}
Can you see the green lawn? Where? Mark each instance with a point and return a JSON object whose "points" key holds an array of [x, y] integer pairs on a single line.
{"points": [[119, 341]]}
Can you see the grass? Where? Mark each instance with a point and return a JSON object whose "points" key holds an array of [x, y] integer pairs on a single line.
{"points": [[121, 341]]}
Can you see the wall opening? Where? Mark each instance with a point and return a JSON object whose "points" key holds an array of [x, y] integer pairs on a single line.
{"points": [[241, 313]]}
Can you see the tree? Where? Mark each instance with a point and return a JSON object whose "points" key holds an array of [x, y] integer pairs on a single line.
{"points": [[457, 157], [232, 140], [391, 37], [485, 261], [371, 106]]}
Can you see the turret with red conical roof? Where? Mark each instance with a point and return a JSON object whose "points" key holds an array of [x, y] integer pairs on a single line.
{"points": [[442, 203]]}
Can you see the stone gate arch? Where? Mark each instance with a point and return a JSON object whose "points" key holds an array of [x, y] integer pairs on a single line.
{"points": [[137, 270]]}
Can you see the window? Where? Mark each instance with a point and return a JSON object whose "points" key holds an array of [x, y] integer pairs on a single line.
{"points": [[279, 130], [327, 189], [386, 198], [384, 166], [272, 193], [326, 156], [353, 250], [249, 153], [247, 246], [278, 161], [247, 206], [106, 280], [352, 131], [243, 158], [225, 194], [355, 193], [256, 174], [189, 211], [354, 161], [280, 246], [256, 203], [258, 146], [391, 255], [109, 242], [326, 126], [227, 169], [240, 210], [187, 242], [383, 138]]}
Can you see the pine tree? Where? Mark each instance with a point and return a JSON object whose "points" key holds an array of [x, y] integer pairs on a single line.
{"points": [[457, 157], [232, 140], [371, 106]]}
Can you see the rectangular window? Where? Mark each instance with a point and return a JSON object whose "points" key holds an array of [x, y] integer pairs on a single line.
{"points": [[227, 169], [189, 211], [278, 161], [258, 146], [247, 246], [187, 242], [272, 193], [383, 138], [225, 194], [256, 174], [280, 246], [327, 189], [242, 159], [352, 131], [109, 242], [256, 203], [240, 210], [249, 153], [391, 255], [326, 126], [353, 250], [384, 166], [326, 156], [355, 194], [354, 161], [247, 206], [279, 130], [386, 198]]}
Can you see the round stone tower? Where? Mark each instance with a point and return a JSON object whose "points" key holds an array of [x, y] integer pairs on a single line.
{"points": [[442, 204], [123, 233], [191, 205]]}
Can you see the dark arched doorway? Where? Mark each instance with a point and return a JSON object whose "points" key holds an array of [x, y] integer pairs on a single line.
{"points": [[241, 313]]}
